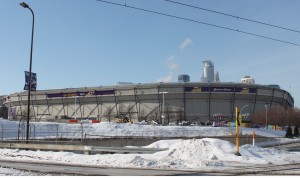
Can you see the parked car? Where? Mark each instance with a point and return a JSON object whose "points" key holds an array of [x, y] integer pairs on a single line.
{"points": [[172, 124], [185, 123]]}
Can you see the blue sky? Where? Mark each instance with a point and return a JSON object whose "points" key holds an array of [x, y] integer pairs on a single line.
{"points": [[80, 43]]}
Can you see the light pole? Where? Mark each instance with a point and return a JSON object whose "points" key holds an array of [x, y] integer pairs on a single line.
{"points": [[23, 4], [266, 107], [163, 107]]}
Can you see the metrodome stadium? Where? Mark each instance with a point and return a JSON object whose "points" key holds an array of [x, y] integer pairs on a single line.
{"points": [[161, 102]]}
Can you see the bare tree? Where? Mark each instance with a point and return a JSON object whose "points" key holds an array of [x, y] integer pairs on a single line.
{"points": [[121, 108], [154, 116], [109, 113], [294, 116], [179, 116], [142, 115], [23, 113], [130, 110], [3, 112], [277, 116], [170, 114]]}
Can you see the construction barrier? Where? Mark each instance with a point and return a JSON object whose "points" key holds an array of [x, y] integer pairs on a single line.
{"points": [[83, 121], [72, 121], [246, 125]]}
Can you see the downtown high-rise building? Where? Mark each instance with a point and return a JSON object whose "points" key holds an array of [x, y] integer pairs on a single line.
{"points": [[208, 74]]}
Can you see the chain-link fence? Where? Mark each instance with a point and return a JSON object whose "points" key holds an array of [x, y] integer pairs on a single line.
{"points": [[77, 133]]}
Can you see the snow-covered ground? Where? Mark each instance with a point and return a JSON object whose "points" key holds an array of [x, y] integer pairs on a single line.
{"points": [[196, 154]]}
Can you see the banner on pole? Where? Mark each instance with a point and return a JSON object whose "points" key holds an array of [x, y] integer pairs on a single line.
{"points": [[33, 81], [239, 119]]}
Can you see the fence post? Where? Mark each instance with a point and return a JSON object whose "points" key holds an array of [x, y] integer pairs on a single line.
{"points": [[56, 134], [29, 133], [19, 130], [33, 131], [23, 131], [2, 131], [81, 132]]}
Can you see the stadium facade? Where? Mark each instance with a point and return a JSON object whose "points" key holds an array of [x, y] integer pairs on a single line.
{"points": [[181, 101]]}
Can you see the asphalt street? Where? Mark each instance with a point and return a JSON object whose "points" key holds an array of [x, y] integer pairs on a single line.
{"points": [[67, 169]]}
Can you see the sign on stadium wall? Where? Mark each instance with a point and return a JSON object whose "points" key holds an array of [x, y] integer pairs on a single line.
{"points": [[220, 89], [84, 93]]}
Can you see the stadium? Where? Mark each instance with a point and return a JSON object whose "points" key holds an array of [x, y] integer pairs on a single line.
{"points": [[160, 102]]}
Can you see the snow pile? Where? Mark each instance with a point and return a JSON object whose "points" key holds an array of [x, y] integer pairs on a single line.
{"points": [[13, 172], [196, 154], [164, 144], [212, 154]]}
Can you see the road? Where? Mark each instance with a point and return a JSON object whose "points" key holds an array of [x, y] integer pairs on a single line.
{"points": [[295, 147], [71, 169], [68, 169]]}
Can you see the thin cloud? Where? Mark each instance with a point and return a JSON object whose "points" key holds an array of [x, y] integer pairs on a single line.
{"points": [[172, 68], [168, 78], [171, 63], [187, 42]]}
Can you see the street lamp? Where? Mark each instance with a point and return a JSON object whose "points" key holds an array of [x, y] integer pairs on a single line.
{"points": [[163, 107], [23, 4], [266, 107]]}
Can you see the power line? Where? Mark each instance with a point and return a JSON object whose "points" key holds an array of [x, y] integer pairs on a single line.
{"points": [[233, 16], [199, 22]]}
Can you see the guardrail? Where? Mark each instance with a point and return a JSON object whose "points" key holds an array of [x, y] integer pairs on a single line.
{"points": [[83, 149], [278, 144]]}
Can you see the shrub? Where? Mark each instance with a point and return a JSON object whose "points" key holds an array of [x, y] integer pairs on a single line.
{"points": [[289, 132]]}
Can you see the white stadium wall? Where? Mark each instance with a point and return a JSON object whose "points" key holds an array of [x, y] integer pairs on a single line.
{"points": [[200, 102]]}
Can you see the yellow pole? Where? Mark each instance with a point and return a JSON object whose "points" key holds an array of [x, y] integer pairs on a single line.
{"points": [[253, 138], [237, 132]]}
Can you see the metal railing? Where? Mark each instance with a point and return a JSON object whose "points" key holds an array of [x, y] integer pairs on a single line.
{"points": [[38, 132]]}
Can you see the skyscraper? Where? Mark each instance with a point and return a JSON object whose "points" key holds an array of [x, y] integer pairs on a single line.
{"points": [[216, 77], [208, 72], [183, 78]]}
